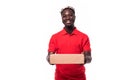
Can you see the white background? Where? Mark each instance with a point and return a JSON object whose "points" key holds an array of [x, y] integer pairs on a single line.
{"points": [[27, 25]]}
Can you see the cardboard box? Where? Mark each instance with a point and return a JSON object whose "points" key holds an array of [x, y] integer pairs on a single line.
{"points": [[67, 58]]}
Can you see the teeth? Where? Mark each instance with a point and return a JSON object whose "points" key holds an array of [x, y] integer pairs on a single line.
{"points": [[68, 21]]}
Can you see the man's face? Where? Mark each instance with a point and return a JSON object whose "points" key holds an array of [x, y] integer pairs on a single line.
{"points": [[68, 17]]}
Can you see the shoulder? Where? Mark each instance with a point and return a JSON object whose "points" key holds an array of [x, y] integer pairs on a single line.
{"points": [[82, 34], [57, 34]]}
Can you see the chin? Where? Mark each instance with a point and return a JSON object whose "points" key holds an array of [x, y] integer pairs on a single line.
{"points": [[68, 25]]}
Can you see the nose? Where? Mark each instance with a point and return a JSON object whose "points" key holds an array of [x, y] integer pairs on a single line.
{"points": [[67, 17]]}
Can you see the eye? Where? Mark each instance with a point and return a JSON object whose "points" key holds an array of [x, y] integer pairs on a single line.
{"points": [[64, 16], [71, 16]]}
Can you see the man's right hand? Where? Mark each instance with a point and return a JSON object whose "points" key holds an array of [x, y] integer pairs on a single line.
{"points": [[48, 57]]}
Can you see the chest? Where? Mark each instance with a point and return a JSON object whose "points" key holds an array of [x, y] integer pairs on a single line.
{"points": [[69, 42]]}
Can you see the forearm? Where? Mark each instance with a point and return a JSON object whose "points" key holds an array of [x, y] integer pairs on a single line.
{"points": [[87, 57], [48, 57]]}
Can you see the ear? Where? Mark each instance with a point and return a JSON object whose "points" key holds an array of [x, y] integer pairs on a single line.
{"points": [[74, 17]]}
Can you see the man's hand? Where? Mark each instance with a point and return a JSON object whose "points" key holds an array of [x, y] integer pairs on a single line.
{"points": [[48, 57], [87, 57]]}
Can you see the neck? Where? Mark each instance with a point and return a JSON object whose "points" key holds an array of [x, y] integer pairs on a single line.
{"points": [[69, 29]]}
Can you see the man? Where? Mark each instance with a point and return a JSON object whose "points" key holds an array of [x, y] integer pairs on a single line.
{"points": [[71, 41]]}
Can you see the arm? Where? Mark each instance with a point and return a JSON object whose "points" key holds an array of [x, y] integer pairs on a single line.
{"points": [[48, 57], [87, 57], [86, 50]]}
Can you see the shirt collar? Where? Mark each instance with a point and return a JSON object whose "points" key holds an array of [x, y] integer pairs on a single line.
{"points": [[75, 31]]}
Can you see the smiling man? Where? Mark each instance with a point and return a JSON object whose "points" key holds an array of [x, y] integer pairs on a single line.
{"points": [[70, 41]]}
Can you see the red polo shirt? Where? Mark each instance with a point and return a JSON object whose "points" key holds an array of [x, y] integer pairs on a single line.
{"points": [[74, 43]]}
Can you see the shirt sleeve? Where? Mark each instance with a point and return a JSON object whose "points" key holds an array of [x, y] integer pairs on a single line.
{"points": [[86, 44], [52, 44]]}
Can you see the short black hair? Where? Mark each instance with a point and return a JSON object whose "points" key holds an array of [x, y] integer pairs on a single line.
{"points": [[68, 7]]}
